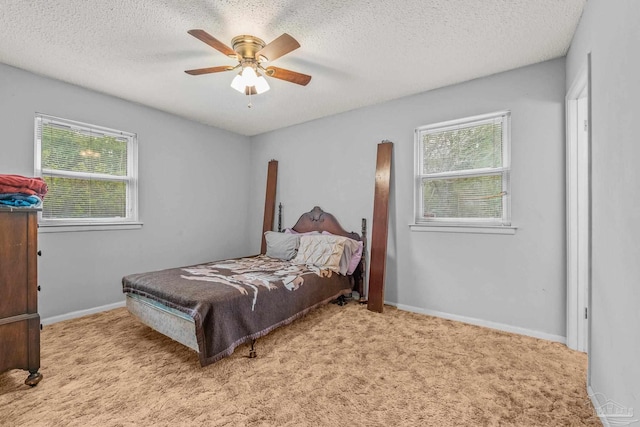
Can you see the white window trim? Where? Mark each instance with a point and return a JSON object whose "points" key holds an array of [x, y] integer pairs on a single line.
{"points": [[91, 224], [465, 225], [468, 228], [60, 228]]}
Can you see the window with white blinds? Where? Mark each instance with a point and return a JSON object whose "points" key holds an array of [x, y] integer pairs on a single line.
{"points": [[462, 172], [91, 172]]}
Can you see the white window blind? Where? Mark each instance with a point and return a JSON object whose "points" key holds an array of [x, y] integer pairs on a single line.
{"points": [[91, 172], [462, 171]]}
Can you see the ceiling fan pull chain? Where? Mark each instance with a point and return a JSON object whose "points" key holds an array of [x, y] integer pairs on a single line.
{"points": [[250, 104]]}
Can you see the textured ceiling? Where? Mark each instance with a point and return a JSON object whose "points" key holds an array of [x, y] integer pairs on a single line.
{"points": [[359, 52]]}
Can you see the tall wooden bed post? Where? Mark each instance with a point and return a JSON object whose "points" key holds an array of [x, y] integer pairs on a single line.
{"points": [[269, 202], [380, 229]]}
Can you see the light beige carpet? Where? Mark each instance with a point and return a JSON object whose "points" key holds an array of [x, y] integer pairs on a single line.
{"points": [[338, 366]]}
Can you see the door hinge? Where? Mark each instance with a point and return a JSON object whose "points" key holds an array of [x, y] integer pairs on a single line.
{"points": [[586, 312]]}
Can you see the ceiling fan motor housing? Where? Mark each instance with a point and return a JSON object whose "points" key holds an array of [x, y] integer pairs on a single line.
{"points": [[247, 46]]}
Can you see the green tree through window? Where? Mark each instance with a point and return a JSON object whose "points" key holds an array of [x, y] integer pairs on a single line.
{"points": [[90, 172], [463, 171]]}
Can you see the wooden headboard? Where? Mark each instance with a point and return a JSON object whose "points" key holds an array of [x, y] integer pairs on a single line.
{"points": [[319, 220]]}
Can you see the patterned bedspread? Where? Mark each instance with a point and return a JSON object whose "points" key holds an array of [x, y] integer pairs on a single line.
{"points": [[235, 301]]}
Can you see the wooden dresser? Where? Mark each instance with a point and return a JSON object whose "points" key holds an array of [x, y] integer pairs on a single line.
{"points": [[19, 318]]}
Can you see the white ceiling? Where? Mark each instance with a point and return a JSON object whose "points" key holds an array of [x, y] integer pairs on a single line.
{"points": [[359, 52]]}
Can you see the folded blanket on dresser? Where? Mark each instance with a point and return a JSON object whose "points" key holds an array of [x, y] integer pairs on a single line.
{"points": [[24, 185], [20, 200]]}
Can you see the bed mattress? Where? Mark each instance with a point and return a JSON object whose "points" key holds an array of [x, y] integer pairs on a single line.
{"points": [[230, 302]]}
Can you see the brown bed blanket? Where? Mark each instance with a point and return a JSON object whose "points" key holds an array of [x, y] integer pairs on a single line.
{"points": [[238, 300]]}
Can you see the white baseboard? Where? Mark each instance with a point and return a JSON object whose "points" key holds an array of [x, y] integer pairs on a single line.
{"points": [[485, 323], [596, 404], [81, 313], [609, 412]]}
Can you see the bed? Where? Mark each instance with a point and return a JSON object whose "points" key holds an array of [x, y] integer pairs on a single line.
{"points": [[215, 307]]}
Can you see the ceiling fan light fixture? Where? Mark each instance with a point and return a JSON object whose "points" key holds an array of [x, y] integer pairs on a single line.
{"points": [[261, 85], [249, 76], [238, 83]]}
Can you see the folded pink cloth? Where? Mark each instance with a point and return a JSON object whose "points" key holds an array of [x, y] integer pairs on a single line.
{"points": [[23, 184]]}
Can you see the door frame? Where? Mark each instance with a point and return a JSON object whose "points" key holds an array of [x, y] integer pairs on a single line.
{"points": [[578, 293]]}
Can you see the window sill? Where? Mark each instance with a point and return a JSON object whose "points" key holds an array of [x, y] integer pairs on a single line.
{"points": [[477, 229], [64, 228]]}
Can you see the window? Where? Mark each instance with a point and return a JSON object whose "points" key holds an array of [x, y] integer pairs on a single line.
{"points": [[462, 172], [91, 173]]}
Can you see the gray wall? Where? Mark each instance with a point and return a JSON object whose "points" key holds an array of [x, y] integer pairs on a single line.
{"points": [[193, 182], [610, 31], [516, 280]]}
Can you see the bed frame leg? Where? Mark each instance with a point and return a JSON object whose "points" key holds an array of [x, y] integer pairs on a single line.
{"points": [[252, 352], [341, 300]]}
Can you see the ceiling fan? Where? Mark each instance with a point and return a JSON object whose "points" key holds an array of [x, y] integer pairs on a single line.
{"points": [[251, 53]]}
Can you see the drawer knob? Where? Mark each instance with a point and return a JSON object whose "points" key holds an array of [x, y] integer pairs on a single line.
{"points": [[39, 289], [39, 253], [40, 326]]}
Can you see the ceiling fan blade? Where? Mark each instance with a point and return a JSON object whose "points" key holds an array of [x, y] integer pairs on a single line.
{"points": [[209, 70], [288, 75], [279, 47], [213, 42]]}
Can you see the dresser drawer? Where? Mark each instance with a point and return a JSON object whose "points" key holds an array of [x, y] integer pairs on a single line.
{"points": [[20, 342], [14, 263]]}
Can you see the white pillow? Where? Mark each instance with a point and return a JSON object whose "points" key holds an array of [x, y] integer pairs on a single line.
{"points": [[324, 251], [281, 245], [351, 255]]}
